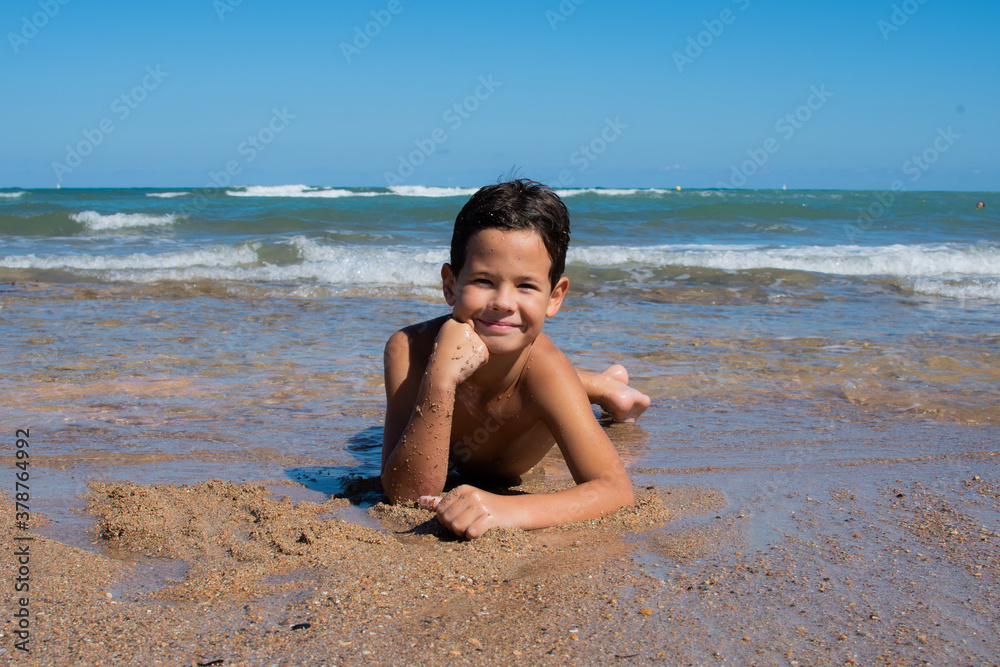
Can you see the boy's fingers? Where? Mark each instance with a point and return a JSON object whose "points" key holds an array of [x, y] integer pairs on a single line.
{"points": [[479, 526], [429, 502]]}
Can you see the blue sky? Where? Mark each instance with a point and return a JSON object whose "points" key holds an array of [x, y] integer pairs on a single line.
{"points": [[748, 93]]}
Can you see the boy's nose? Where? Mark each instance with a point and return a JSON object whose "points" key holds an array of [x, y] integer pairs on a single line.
{"points": [[503, 299]]}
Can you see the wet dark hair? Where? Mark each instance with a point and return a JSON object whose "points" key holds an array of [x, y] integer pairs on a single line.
{"points": [[517, 204]]}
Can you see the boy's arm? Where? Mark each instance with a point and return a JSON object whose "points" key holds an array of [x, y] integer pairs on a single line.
{"points": [[602, 485], [420, 400]]}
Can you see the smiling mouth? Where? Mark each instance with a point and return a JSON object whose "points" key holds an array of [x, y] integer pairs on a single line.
{"points": [[496, 325]]}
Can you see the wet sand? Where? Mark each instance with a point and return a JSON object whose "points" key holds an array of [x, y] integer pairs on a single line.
{"points": [[811, 501], [898, 565]]}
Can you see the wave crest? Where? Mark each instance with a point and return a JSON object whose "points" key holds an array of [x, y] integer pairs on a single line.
{"points": [[894, 260], [969, 288], [99, 223], [297, 191], [431, 191], [609, 192], [167, 195]]}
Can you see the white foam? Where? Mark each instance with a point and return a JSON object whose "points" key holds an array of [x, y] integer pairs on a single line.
{"points": [[431, 191], [167, 195], [322, 264], [895, 260], [610, 192], [955, 289], [944, 270], [11, 195], [405, 191], [218, 256], [337, 264], [97, 222], [297, 191]]}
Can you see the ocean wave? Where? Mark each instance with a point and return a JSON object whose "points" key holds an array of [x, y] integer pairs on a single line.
{"points": [[311, 262], [375, 268], [431, 191], [296, 191], [98, 223], [407, 191], [949, 271], [955, 289], [11, 195], [609, 192], [775, 227], [895, 260], [215, 257], [354, 265], [167, 195]]}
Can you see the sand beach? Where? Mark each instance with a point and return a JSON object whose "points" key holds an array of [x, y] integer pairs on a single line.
{"points": [[202, 402], [888, 562]]}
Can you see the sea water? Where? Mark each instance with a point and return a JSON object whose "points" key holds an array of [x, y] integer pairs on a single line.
{"points": [[172, 335]]}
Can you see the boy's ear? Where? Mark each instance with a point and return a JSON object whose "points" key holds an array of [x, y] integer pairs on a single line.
{"points": [[557, 296], [448, 284]]}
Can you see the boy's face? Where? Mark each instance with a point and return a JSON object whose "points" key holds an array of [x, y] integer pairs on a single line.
{"points": [[504, 290]]}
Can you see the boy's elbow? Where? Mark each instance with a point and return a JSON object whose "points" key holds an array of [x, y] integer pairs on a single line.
{"points": [[399, 492], [623, 490], [395, 496], [628, 495], [397, 499], [394, 491]]}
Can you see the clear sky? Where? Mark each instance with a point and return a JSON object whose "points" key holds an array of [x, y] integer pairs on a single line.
{"points": [[749, 93]]}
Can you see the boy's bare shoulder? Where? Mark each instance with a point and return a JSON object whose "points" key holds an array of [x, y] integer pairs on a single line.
{"points": [[416, 340], [549, 368]]}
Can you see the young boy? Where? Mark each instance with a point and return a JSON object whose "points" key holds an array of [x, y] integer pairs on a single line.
{"points": [[485, 391]]}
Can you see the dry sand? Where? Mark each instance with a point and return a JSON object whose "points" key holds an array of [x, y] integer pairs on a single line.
{"points": [[235, 574]]}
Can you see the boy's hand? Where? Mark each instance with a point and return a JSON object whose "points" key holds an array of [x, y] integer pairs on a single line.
{"points": [[458, 351], [469, 512]]}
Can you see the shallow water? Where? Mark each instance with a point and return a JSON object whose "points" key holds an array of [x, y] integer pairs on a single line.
{"points": [[242, 339]]}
